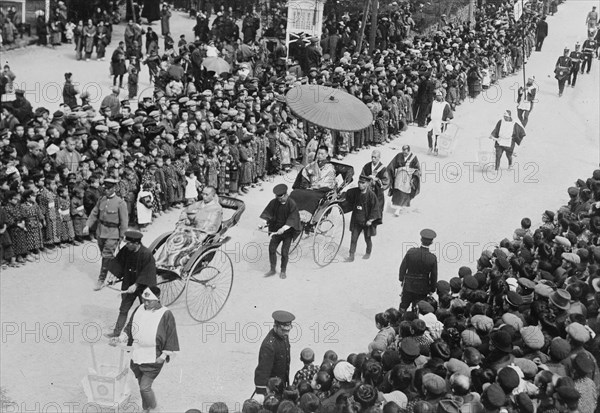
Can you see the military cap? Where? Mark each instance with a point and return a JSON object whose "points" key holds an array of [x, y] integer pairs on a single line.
{"points": [[428, 234], [526, 283], [283, 317], [110, 182], [513, 299], [280, 189], [133, 236]]}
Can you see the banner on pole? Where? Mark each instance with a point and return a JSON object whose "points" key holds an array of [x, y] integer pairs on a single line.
{"points": [[304, 20]]}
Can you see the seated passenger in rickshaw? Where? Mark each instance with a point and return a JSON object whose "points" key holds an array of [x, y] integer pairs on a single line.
{"points": [[196, 222], [315, 181]]}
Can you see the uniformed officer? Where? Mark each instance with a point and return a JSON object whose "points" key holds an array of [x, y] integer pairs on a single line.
{"points": [[274, 355], [562, 70], [110, 219], [283, 220], [134, 265], [418, 271], [576, 58], [589, 49]]}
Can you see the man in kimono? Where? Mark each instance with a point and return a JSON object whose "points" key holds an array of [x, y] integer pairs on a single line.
{"points": [[440, 114], [405, 175], [379, 177], [153, 340], [314, 182], [366, 215], [134, 265], [283, 220], [196, 222]]}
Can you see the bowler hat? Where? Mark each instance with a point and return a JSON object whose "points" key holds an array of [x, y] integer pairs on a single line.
{"points": [[502, 341], [561, 299]]}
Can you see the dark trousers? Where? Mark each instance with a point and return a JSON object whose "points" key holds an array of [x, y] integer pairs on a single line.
{"points": [[120, 80], [423, 109], [573, 75], [286, 241], [538, 43], [587, 61], [500, 150], [146, 374], [523, 116], [561, 85], [127, 301], [107, 247], [356, 230], [409, 298]]}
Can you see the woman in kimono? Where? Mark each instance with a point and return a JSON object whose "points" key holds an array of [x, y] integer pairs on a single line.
{"points": [[212, 166], [33, 223], [246, 163], [226, 163], [89, 38], [405, 176], [47, 202], [15, 223], [285, 144]]}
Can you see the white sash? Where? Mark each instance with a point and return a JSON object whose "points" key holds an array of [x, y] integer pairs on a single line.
{"points": [[144, 344]]}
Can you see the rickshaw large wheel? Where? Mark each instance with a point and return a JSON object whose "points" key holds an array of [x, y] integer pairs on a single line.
{"points": [[170, 284], [208, 284], [328, 235]]}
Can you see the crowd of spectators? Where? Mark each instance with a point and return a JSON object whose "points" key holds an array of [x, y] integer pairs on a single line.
{"points": [[231, 130], [518, 334]]}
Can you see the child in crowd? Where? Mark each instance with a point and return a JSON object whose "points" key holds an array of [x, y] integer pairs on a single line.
{"points": [[7, 256], [524, 230], [145, 200], [34, 220], [67, 232], [78, 215], [226, 162], [308, 371], [192, 187]]}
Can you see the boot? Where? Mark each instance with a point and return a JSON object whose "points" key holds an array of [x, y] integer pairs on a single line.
{"points": [[350, 257], [103, 272], [270, 272]]}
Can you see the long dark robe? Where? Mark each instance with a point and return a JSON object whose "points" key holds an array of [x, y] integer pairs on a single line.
{"points": [[151, 10], [145, 271], [277, 215], [368, 203], [384, 181], [399, 161]]}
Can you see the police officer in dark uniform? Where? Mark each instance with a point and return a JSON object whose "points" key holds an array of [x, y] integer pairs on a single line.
{"points": [[110, 219], [274, 355], [283, 220], [576, 58], [418, 271], [134, 265], [562, 70]]}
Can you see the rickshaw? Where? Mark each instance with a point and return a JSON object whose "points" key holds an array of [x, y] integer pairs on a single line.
{"points": [[327, 224], [207, 276]]}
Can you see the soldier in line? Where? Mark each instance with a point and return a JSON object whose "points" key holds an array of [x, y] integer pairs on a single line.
{"points": [[274, 355], [418, 271], [110, 219], [562, 70], [576, 57]]}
